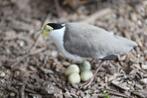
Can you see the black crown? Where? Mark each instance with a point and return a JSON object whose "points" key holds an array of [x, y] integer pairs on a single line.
{"points": [[56, 25]]}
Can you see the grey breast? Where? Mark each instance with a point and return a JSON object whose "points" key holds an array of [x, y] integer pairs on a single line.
{"points": [[90, 41]]}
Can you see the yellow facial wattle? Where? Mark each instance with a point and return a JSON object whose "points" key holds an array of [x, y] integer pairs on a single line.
{"points": [[46, 30]]}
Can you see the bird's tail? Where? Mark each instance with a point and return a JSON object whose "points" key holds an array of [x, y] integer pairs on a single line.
{"points": [[127, 42]]}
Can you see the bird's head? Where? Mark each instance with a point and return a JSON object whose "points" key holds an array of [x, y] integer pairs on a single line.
{"points": [[48, 28]]}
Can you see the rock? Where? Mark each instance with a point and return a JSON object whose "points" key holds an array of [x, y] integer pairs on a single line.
{"points": [[120, 85], [143, 81], [2, 74], [144, 66]]}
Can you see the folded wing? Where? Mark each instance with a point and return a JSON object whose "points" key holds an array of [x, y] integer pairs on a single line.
{"points": [[90, 41]]}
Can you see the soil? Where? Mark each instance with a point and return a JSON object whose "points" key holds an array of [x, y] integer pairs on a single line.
{"points": [[31, 67]]}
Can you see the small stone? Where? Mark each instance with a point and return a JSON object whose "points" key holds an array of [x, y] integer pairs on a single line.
{"points": [[2, 74], [12, 94], [67, 95], [16, 73], [134, 17], [65, 63], [139, 23], [54, 53], [74, 78], [143, 81], [144, 66], [32, 68], [21, 43]]}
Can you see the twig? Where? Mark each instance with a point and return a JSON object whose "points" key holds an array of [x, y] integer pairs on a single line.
{"points": [[118, 94], [98, 14], [114, 92], [37, 51], [22, 91], [140, 95], [29, 52]]}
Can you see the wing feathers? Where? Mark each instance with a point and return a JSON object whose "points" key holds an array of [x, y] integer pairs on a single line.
{"points": [[90, 41]]}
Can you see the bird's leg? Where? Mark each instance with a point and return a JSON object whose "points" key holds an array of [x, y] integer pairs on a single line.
{"points": [[87, 84]]}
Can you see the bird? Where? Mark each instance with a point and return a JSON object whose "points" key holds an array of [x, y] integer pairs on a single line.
{"points": [[81, 41]]}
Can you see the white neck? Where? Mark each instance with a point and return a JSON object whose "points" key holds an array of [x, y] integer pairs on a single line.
{"points": [[57, 37]]}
